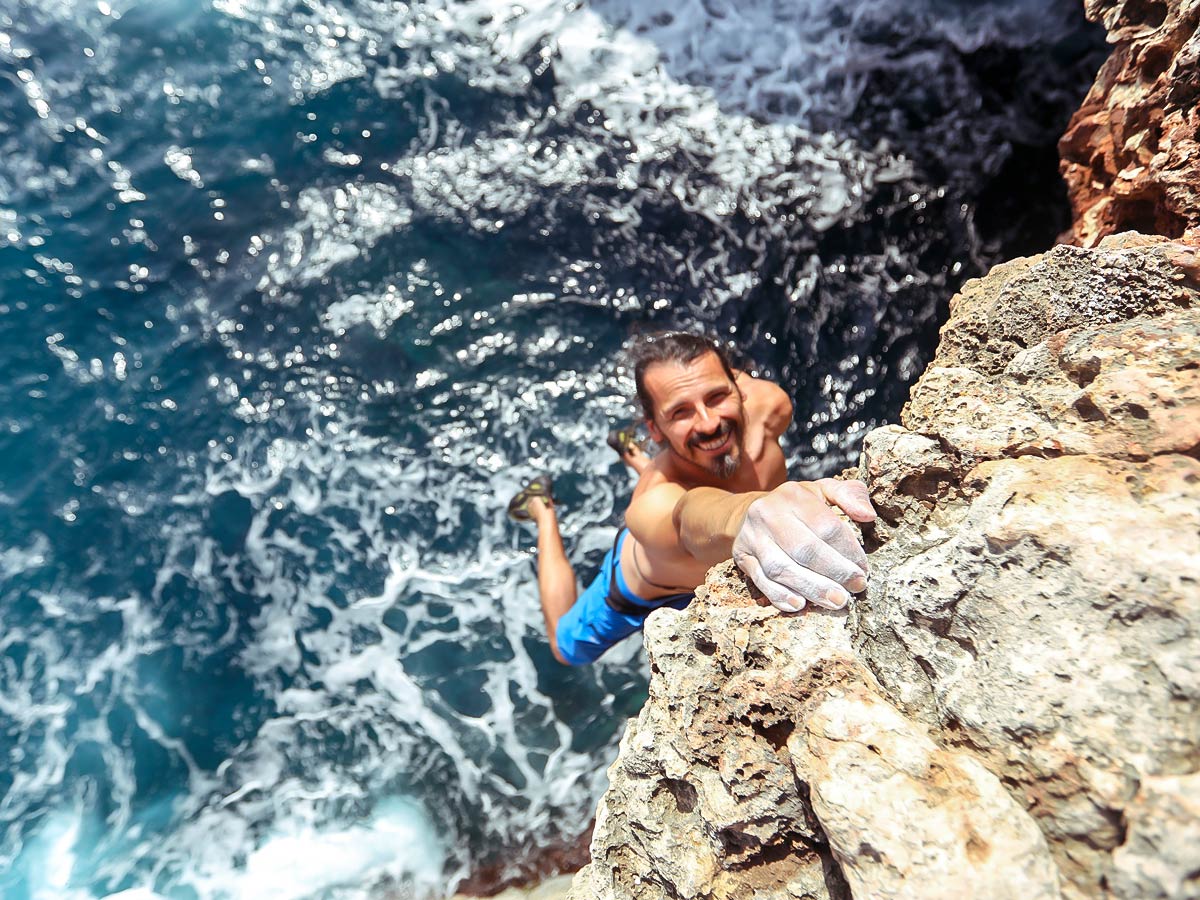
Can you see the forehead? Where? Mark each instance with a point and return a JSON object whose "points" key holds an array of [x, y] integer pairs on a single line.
{"points": [[671, 382]]}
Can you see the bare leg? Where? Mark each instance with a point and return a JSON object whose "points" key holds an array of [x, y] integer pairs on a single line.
{"points": [[556, 578]]}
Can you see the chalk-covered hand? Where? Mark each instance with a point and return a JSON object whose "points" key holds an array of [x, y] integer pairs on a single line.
{"points": [[797, 550]]}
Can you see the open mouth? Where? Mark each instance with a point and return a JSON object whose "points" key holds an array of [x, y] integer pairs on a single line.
{"points": [[716, 443]]}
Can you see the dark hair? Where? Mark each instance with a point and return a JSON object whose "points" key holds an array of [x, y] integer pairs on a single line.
{"points": [[678, 347]]}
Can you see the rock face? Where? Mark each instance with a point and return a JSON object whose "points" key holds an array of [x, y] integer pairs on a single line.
{"points": [[1013, 707], [1131, 155], [1040, 544]]}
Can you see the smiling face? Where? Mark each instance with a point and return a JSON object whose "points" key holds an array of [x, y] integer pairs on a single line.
{"points": [[698, 413]]}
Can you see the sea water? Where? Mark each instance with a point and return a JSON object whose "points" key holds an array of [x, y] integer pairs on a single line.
{"points": [[293, 296]]}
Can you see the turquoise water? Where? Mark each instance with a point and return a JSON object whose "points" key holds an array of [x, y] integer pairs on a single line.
{"points": [[292, 297]]}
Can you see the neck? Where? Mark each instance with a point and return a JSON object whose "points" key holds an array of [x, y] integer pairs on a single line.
{"points": [[685, 471]]}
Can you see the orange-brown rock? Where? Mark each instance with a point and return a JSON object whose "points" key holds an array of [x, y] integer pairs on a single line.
{"points": [[1131, 155], [533, 874]]}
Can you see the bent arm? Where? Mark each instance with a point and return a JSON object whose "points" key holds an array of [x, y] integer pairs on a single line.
{"points": [[766, 401], [768, 411]]}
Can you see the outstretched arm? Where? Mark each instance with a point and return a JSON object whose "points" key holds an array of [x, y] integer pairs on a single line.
{"points": [[789, 541], [797, 550], [708, 520]]}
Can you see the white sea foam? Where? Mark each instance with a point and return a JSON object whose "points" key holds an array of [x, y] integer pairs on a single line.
{"points": [[380, 311], [737, 162], [50, 856], [493, 179], [334, 227], [285, 814], [620, 75], [18, 560], [298, 859], [356, 688]]}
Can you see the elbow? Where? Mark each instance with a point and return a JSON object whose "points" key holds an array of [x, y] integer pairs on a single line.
{"points": [[785, 409], [781, 419], [557, 653]]}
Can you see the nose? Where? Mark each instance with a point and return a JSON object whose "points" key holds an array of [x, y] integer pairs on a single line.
{"points": [[705, 420]]}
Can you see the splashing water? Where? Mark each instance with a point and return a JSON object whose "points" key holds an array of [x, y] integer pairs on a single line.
{"points": [[293, 296]]}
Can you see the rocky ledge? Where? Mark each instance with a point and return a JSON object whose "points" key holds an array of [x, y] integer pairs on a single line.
{"points": [[1012, 709]]}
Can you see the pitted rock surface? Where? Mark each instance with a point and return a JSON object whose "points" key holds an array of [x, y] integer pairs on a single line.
{"points": [[1012, 709]]}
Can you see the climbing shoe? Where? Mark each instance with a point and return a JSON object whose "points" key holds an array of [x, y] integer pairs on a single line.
{"points": [[540, 487], [624, 440]]}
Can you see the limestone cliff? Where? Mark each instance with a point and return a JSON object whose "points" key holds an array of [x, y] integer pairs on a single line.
{"points": [[1131, 156], [1012, 710]]}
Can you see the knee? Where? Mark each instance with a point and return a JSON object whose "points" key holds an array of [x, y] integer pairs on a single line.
{"points": [[559, 656]]}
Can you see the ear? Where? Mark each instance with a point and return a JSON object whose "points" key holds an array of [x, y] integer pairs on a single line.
{"points": [[656, 434]]}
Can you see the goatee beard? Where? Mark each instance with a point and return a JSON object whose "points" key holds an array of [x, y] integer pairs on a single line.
{"points": [[727, 464]]}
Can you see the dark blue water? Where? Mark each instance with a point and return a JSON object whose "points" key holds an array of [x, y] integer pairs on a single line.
{"points": [[292, 297]]}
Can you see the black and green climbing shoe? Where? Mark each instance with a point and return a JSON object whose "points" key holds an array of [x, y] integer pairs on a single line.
{"points": [[624, 440], [540, 487]]}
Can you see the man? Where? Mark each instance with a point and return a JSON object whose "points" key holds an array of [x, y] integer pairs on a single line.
{"points": [[718, 488]]}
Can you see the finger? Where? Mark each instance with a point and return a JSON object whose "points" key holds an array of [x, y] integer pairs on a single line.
{"points": [[776, 594], [829, 529], [851, 497], [816, 552], [795, 579]]}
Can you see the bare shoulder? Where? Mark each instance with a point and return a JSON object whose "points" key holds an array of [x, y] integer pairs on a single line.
{"points": [[654, 491], [650, 517]]}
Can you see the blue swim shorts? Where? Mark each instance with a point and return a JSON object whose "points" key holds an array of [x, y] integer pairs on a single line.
{"points": [[607, 612]]}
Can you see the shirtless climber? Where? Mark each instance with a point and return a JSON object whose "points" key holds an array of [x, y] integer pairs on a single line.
{"points": [[718, 488]]}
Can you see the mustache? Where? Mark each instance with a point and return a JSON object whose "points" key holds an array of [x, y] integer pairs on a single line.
{"points": [[723, 429]]}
